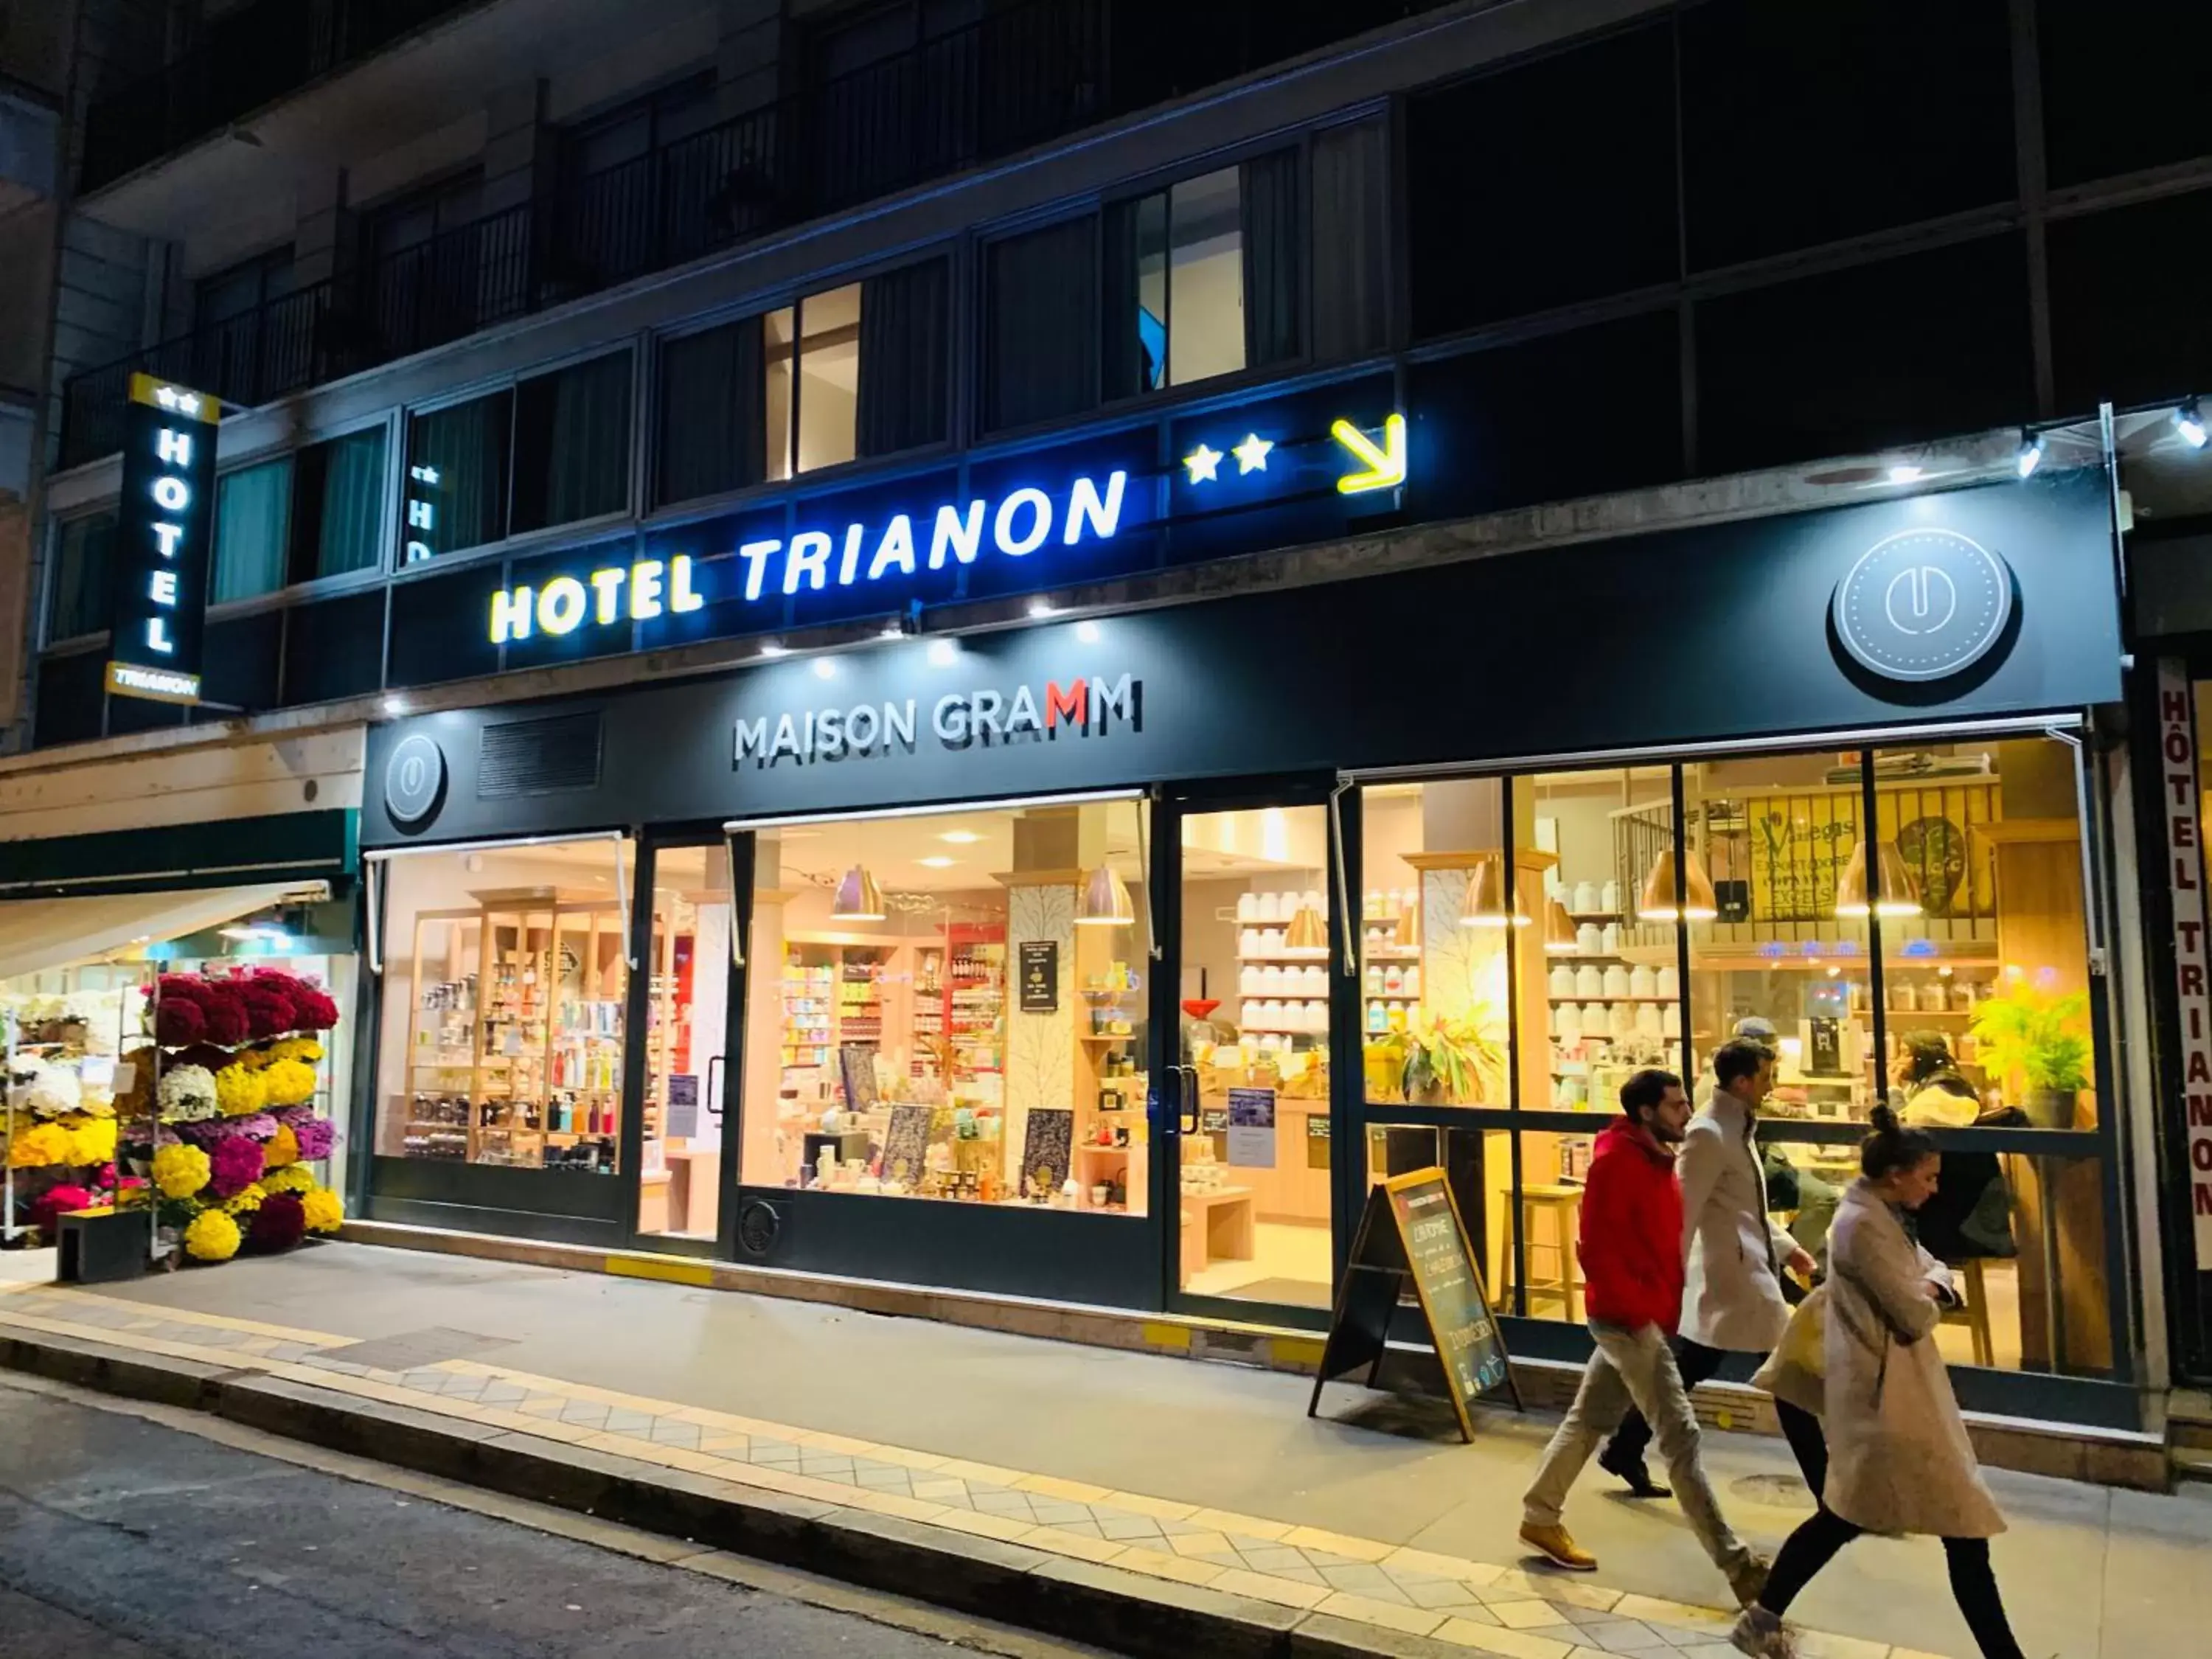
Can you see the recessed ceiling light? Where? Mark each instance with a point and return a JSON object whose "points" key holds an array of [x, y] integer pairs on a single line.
{"points": [[770, 649], [944, 652], [961, 837], [1041, 607], [1087, 632], [824, 669], [395, 706], [937, 861], [1906, 474]]}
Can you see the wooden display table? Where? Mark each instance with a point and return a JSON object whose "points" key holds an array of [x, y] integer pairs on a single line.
{"points": [[1216, 1226]]}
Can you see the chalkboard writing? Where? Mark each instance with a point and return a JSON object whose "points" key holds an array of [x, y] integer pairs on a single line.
{"points": [[1039, 960], [1411, 1237]]}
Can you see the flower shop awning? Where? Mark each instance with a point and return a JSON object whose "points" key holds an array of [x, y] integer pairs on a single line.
{"points": [[36, 934]]}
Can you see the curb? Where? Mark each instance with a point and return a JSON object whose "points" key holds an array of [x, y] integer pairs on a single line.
{"points": [[1009, 1584]]}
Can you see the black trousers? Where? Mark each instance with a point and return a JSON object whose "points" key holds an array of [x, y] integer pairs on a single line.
{"points": [[1699, 1364], [1814, 1544]]}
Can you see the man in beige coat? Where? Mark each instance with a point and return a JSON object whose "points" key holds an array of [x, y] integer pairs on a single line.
{"points": [[1733, 1252]]}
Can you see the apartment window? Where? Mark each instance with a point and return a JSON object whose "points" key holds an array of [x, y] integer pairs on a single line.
{"points": [[1351, 236], [1201, 279], [80, 603], [337, 506], [812, 360], [253, 513], [551, 450], [224, 295], [572, 441], [860, 370]]}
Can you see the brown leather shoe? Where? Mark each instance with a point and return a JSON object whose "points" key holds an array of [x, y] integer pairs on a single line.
{"points": [[1557, 1544]]}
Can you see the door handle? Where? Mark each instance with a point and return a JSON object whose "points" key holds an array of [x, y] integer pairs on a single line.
{"points": [[1189, 1125], [713, 1110]]}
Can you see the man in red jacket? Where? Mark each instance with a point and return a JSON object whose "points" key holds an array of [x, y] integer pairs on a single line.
{"points": [[1632, 1262]]}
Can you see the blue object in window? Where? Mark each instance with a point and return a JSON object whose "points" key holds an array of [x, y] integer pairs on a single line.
{"points": [[1152, 337]]}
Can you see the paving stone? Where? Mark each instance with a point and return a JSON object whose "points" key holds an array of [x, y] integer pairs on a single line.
{"points": [[625, 1422], [1129, 1528], [666, 1432], [1358, 1578]]}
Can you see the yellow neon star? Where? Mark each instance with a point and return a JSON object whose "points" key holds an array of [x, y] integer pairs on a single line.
{"points": [[1251, 454], [1202, 462]]}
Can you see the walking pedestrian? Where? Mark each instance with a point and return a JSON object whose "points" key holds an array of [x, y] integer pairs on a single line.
{"points": [[1734, 1255], [1630, 1251], [1901, 1461]]}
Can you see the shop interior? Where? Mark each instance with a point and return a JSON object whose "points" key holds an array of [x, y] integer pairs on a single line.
{"points": [[951, 1005], [1555, 979]]}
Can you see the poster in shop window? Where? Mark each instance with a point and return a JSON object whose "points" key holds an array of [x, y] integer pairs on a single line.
{"points": [[1252, 1128], [1048, 1149]]}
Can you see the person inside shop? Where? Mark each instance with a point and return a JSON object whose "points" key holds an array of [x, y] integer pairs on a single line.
{"points": [[1630, 1249], [1734, 1253], [1902, 1462], [1803, 1196], [1927, 1090]]}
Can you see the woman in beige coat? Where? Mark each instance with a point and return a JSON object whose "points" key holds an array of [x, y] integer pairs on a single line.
{"points": [[1899, 1460]]}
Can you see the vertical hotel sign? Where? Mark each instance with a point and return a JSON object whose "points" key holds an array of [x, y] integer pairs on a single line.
{"points": [[163, 530], [2180, 795]]}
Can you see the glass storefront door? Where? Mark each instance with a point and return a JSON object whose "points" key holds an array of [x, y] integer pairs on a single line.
{"points": [[1247, 1104], [687, 1046]]}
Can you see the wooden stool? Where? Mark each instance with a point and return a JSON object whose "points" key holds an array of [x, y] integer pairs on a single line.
{"points": [[1564, 1205], [1974, 1312]]}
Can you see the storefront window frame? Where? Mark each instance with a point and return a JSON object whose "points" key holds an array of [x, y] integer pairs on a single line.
{"points": [[2049, 1392]]}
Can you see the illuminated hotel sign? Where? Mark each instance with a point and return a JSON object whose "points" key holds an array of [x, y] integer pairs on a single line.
{"points": [[164, 526], [878, 557]]}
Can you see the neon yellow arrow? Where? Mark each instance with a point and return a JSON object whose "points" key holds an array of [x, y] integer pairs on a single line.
{"points": [[1383, 468]]}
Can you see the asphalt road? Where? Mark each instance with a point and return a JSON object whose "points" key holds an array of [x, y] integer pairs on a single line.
{"points": [[123, 1537]]}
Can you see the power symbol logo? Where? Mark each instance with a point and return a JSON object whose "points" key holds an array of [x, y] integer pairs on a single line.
{"points": [[1922, 604]]}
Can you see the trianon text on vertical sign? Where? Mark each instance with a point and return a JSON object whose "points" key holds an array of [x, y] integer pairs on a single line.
{"points": [[2179, 795]]}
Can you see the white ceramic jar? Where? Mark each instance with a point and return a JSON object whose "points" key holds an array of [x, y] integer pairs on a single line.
{"points": [[1586, 897], [1567, 1023], [1562, 982], [1668, 981], [1589, 981], [1248, 907], [1643, 982], [1616, 980], [1590, 940]]}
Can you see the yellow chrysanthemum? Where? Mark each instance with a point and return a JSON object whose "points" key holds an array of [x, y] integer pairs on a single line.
{"points": [[91, 1141], [213, 1237], [290, 1178], [326, 1211], [250, 1199], [240, 1091], [290, 1082], [179, 1172], [41, 1145], [281, 1149]]}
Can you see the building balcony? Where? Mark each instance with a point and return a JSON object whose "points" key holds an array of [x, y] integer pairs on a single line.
{"points": [[251, 57]]}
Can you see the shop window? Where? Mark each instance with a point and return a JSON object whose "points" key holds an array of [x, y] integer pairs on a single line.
{"points": [[572, 444], [253, 515], [1253, 1180], [951, 1007], [455, 494], [337, 506], [1543, 185], [80, 603], [1806, 125], [812, 357], [506, 982]]}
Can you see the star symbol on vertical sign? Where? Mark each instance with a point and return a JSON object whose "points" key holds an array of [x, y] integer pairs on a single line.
{"points": [[1202, 463], [1251, 454]]}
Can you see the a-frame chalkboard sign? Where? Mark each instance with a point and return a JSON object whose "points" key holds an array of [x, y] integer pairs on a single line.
{"points": [[1411, 1235]]}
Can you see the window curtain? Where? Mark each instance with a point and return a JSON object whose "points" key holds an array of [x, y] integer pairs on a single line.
{"points": [[353, 502], [250, 509], [1273, 250], [586, 471], [714, 412], [906, 353], [1126, 363], [1042, 325], [1351, 232], [467, 447], [81, 601]]}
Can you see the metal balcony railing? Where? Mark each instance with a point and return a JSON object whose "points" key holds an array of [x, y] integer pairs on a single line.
{"points": [[247, 58], [1025, 73]]}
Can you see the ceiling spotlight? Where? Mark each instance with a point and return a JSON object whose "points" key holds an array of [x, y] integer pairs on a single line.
{"points": [[2029, 456], [824, 669], [1042, 608], [2189, 422], [395, 706], [770, 649], [1087, 632], [894, 630], [1906, 474], [944, 652]]}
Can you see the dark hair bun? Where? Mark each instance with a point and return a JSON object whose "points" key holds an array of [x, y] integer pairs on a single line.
{"points": [[1883, 1120], [1891, 1145]]}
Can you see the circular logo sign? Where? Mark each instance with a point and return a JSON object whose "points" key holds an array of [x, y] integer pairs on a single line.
{"points": [[1922, 604], [414, 780]]}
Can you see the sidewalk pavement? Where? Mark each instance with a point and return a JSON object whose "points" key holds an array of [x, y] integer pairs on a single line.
{"points": [[1190, 1474]]}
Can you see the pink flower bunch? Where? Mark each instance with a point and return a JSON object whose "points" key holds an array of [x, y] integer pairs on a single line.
{"points": [[255, 1126], [234, 1165]]}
